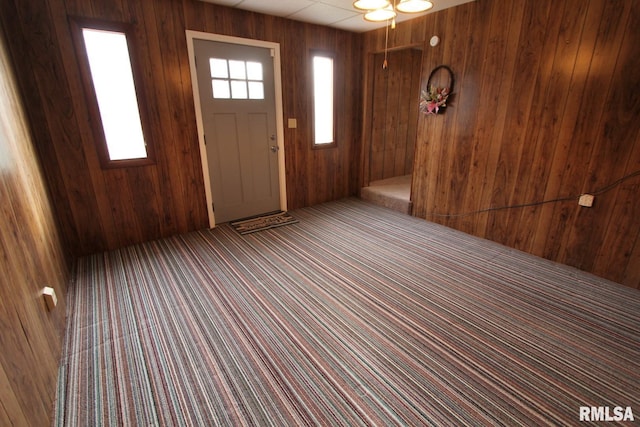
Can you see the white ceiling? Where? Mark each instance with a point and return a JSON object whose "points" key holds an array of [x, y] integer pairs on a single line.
{"points": [[332, 13]]}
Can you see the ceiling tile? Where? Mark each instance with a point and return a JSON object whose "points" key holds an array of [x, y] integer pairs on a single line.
{"points": [[356, 24], [276, 8], [347, 5], [320, 13]]}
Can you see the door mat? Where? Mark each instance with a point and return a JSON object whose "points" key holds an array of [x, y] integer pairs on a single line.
{"points": [[264, 222]]}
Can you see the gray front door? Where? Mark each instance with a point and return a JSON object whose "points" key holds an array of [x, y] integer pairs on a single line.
{"points": [[237, 99]]}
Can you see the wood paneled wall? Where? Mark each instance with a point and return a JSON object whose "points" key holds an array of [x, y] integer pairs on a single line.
{"points": [[546, 106], [31, 257], [105, 209], [394, 117]]}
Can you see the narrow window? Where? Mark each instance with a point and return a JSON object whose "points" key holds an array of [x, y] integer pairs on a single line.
{"points": [[323, 100], [112, 91]]}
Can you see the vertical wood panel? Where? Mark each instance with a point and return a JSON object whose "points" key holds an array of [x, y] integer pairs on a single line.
{"points": [[567, 155], [615, 136], [545, 107], [519, 104], [617, 250], [392, 137], [487, 94], [31, 257]]}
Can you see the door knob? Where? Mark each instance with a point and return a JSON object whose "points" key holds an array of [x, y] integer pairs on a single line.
{"points": [[274, 148]]}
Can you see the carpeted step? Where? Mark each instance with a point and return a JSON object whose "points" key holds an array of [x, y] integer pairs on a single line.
{"points": [[392, 193]]}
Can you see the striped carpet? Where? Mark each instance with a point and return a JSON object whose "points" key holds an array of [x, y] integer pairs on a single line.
{"points": [[357, 315]]}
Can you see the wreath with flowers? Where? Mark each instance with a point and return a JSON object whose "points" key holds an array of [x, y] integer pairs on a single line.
{"points": [[433, 99]]}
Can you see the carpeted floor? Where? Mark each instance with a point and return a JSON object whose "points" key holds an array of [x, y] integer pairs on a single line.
{"points": [[356, 315]]}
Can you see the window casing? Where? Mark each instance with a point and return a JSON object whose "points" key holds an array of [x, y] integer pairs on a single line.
{"points": [[322, 72], [108, 67]]}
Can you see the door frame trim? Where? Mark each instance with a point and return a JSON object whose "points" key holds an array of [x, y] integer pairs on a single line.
{"points": [[277, 77]]}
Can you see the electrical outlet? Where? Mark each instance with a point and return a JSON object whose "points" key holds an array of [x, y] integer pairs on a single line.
{"points": [[50, 297], [586, 200]]}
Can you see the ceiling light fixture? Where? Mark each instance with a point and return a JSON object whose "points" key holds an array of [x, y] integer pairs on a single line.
{"points": [[370, 4], [378, 15], [414, 6], [384, 10]]}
